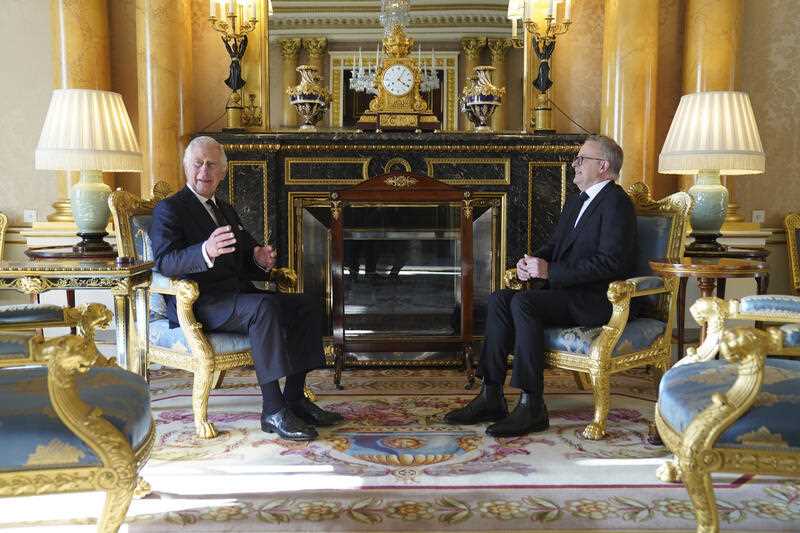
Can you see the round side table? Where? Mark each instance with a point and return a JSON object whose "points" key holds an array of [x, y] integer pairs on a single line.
{"points": [[43, 253], [707, 271]]}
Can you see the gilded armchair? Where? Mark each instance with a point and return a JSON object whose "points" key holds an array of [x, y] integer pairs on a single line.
{"points": [[792, 224], [206, 354], [738, 414], [626, 342], [73, 421]]}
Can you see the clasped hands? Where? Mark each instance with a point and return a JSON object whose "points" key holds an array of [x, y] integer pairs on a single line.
{"points": [[531, 267], [222, 241]]}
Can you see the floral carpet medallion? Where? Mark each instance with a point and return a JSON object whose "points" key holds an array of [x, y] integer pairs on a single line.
{"points": [[394, 465]]}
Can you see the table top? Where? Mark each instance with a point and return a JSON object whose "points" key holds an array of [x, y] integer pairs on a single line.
{"points": [[700, 267], [57, 267], [759, 254], [67, 252]]}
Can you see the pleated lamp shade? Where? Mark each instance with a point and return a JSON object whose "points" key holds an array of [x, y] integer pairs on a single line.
{"points": [[713, 131], [88, 130]]}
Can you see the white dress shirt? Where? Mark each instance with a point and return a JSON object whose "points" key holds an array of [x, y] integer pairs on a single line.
{"points": [[591, 192]]}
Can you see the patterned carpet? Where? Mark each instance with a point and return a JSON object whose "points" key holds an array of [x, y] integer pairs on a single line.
{"points": [[394, 466]]}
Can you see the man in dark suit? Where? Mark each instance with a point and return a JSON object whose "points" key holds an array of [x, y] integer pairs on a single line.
{"points": [[593, 244], [200, 237]]}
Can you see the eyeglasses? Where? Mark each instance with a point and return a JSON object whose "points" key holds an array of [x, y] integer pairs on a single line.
{"points": [[579, 160]]}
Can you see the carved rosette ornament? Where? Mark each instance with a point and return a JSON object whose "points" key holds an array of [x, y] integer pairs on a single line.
{"points": [[309, 97], [401, 182]]}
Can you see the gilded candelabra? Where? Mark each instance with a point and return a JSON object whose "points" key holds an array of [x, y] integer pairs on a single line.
{"points": [[234, 32], [540, 19], [544, 43]]}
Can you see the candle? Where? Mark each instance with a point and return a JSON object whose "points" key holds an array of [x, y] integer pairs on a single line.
{"points": [[513, 28], [568, 11], [360, 60], [222, 9], [528, 10], [552, 9], [433, 61], [210, 8]]}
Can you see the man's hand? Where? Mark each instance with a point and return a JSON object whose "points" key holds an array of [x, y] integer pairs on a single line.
{"points": [[522, 270], [220, 242], [265, 256], [536, 267]]}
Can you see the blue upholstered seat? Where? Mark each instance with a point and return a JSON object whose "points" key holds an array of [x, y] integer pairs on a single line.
{"points": [[637, 335], [15, 345], [173, 339], [33, 437], [766, 304], [772, 422], [22, 313], [791, 335]]}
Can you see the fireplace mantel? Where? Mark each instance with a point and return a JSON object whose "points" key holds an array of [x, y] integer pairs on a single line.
{"points": [[530, 173]]}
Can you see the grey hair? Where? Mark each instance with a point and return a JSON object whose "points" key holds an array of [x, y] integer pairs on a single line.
{"points": [[203, 140], [611, 151]]}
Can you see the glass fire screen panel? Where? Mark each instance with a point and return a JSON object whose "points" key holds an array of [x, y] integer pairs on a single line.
{"points": [[402, 271]]}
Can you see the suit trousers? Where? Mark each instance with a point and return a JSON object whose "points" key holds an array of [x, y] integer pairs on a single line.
{"points": [[285, 331], [515, 322]]}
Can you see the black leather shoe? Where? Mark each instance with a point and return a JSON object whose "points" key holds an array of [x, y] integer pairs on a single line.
{"points": [[489, 405], [287, 426], [311, 413], [529, 416]]}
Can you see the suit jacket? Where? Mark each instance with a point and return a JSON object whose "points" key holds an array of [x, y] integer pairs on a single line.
{"points": [[181, 224], [600, 249]]}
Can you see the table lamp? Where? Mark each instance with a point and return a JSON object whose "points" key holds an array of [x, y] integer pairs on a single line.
{"points": [[89, 131], [712, 133]]}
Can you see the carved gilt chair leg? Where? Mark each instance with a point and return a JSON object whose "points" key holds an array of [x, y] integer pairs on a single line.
{"points": [[701, 491], [143, 488], [219, 376], [338, 366], [201, 388], [469, 368], [602, 396], [582, 380], [669, 472], [114, 511]]}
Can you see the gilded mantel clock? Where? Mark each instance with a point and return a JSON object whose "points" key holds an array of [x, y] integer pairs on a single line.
{"points": [[398, 105]]}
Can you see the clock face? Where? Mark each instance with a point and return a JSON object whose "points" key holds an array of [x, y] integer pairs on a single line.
{"points": [[398, 80]]}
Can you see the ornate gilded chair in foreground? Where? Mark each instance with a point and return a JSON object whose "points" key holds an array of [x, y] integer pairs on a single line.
{"points": [[737, 415], [79, 424], [207, 355], [626, 342]]}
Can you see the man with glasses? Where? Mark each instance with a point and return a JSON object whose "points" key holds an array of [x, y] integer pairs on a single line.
{"points": [[593, 244], [198, 236]]}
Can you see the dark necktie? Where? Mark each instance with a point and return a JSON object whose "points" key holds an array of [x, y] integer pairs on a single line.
{"points": [[218, 214], [582, 197]]}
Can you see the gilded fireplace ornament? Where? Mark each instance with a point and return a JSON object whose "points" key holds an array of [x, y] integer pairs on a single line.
{"points": [[398, 105]]}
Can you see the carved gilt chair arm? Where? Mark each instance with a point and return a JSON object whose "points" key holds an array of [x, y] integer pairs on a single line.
{"points": [[712, 312], [747, 349], [620, 293], [285, 279], [67, 357]]}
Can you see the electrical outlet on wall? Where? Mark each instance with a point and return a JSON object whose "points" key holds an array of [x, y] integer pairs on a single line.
{"points": [[759, 215], [29, 215]]}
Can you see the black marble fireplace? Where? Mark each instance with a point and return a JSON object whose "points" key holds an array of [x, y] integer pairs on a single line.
{"points": [[282, 183]]}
